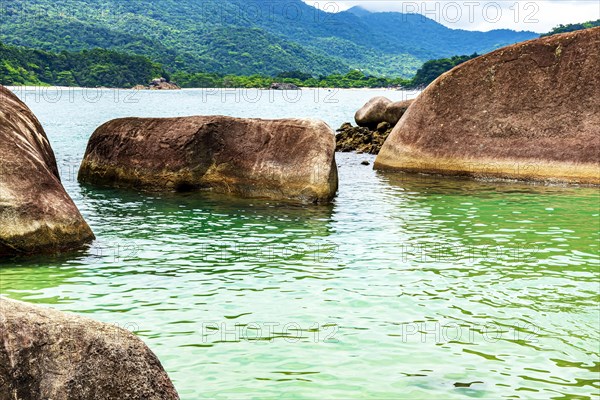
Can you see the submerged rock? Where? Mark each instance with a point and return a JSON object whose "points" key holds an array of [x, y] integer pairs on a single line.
{"points": [[529, 111], [36, 213], [48, 354], [288, 159]]}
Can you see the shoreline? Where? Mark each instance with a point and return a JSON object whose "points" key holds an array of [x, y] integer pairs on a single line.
{"points": [[30, 87]]}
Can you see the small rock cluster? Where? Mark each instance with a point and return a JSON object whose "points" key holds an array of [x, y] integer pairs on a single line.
{"points": [[159, 84], [283, 86], [361, 139], [375, 121]]}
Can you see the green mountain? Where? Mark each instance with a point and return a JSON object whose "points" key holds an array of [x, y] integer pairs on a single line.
{"points": [[244, 37]]}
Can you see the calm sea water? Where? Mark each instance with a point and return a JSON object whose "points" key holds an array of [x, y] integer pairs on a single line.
{"points": [[406, 287]]}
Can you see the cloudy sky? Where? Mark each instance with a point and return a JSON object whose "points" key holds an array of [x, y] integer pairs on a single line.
{"points": [[538, 16]]}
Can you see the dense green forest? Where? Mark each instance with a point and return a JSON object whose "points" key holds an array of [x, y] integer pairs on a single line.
{"points": [[108, 68], [93, 68], [89, 68], [573, 27], [352, 79], [244, 37]]}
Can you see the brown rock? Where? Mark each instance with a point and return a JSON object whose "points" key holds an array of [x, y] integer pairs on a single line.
{"points": [[394, 111], [372, 113], [383, 126], [289, 159], [361, 140], [36, 213], [528, 111], [283, 86], [48, 354], [162, 84]]}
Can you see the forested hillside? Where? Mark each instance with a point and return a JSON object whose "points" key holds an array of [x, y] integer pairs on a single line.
{"points": [[90, 68], [573, 27], [243, 37]]}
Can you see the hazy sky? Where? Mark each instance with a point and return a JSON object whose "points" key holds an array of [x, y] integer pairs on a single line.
{"points": [[539, 16]]}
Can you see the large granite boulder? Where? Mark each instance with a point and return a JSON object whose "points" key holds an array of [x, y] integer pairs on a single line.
{"points": [[290, 159], [48, 354], [529, 111], [36, 213], [395, 111], [372, 113]]}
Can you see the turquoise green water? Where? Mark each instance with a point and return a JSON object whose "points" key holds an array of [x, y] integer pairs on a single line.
{"points": [[405, 287]]}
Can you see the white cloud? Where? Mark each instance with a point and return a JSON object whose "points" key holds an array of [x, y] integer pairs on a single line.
{"points": [[484, 15]]}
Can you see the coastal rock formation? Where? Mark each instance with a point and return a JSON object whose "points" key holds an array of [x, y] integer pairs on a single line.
{"points": [[375, 120], [36, 213], [283, 86], [529, 111], [395, 111], [158, 84], [48, 354], [163, 84], [372, 113], [360, 139], [288, 159]]}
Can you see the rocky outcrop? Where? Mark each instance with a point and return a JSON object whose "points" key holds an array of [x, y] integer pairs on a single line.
{"points": [[381, 109], [289, 159], [48, 354], [36, 213], [283, 86], [529, 111], [372, 113], [158, 84], [360, 139], [395, 111], [375, 120], [162, 84]]}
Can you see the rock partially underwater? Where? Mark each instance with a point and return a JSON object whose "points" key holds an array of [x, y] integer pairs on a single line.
{"points": [[288, 159], [36, 213], [530, 111]]}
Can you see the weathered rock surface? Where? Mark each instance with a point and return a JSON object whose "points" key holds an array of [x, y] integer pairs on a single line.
{"points": [[36, 213], [381, 109], [377, 119], [372, 113], [360, 139], [395, 111], [158, 84], [289, 159], [529, 111], [48, 354], [284, 86], [162, 84]]}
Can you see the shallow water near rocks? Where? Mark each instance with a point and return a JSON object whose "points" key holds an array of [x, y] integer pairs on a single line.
{"points": [[407, 286]]}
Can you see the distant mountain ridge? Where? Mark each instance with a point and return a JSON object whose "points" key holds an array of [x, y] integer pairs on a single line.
{"points": [[244, 36]]}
